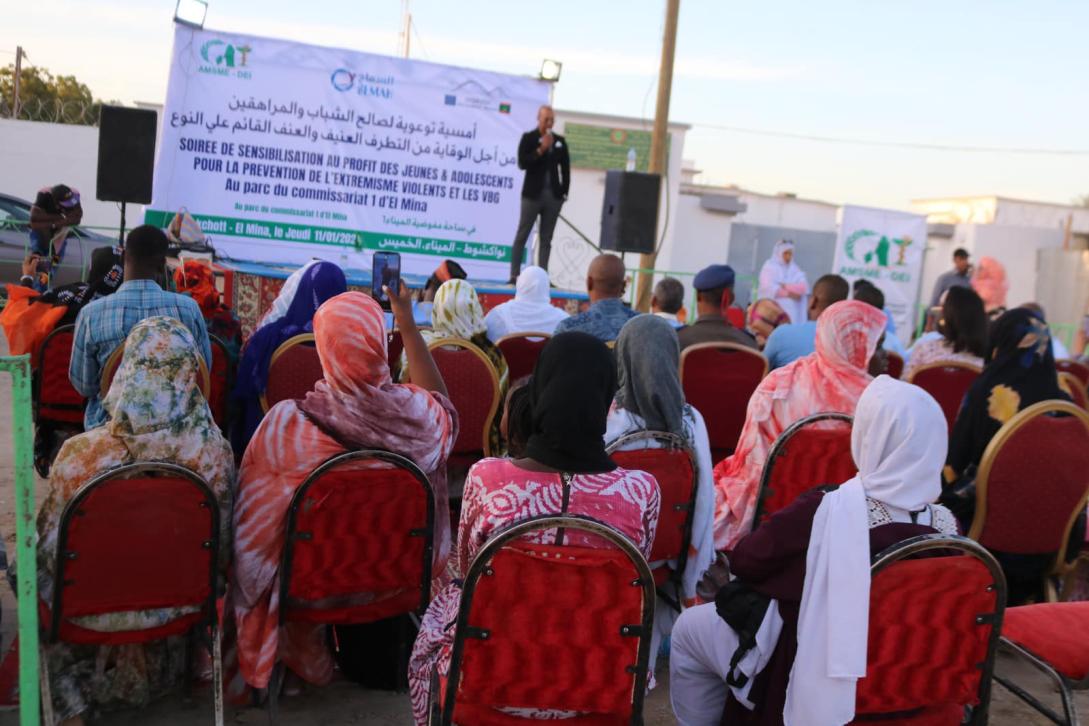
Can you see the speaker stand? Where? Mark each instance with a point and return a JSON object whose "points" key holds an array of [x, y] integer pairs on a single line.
{"points": [[121, 239]]}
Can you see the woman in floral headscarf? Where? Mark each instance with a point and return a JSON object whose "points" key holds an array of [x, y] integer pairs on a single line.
{"points": [[457, 314], [830, 379], [157, 413]]}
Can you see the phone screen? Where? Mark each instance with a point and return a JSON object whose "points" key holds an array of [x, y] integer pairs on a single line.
{"points": [[385, 271]]}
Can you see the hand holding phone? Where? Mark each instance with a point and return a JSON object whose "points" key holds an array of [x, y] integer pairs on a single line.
{"points": [[385, 273]]}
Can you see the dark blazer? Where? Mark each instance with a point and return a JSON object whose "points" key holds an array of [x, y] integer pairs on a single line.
{"points": [[556, 161]]}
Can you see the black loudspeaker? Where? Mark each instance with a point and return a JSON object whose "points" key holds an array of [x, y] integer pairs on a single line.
{"points": [[126, 154], [629, 213]]}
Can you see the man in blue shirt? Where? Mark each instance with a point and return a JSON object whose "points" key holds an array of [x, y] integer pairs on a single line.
{"points": [[607, 314], [103, 325], [867, 292], [789, 342]]}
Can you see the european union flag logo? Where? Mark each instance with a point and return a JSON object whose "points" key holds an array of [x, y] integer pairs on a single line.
{"points": [[451, 100]]}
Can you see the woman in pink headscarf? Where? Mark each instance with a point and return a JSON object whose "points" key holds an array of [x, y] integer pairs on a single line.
{"points": [[990, 283], [849, 333]]}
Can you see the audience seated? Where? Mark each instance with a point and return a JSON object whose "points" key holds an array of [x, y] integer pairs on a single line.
{"points": [[765, 315], [565, 469], [848, 334], [650, 397], [667, 301], [1058, 348], [457, 314], [421, 306], [196, 279], [867, 292], [605, 282], [291, 314], [103, 325], [714, 294], [789, 342], [355, 406], [531, 310], [962, 333], [810, 560], [156, 413], [989, 280]]}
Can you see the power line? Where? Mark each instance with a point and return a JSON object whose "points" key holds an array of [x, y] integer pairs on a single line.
{"points": [[894, 144]]}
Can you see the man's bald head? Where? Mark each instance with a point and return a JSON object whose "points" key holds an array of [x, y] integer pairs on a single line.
{"points": [[545, 118], [605, 278]]}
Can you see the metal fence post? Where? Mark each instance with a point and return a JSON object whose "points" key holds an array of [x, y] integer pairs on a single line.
{"points": [[25, 550]]}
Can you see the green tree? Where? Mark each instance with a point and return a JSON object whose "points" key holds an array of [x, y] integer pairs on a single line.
{"points": [[45, 97]]}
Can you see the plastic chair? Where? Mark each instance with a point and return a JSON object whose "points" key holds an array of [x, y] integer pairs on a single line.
{"points": [[292, 371], [551, 626], [814, 451], [896, 364], [948, 383], [521, 351], [1077, 392], [222, 379], [936, 607], [114, 362], [473, 386], [1079, 369], [1033, 481], [143, 536], [55, 400], [673, 465], [718, 380], [362, 523], [1051, 637]]}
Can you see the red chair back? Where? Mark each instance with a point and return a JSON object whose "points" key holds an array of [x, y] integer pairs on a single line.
{"points": [[395, 345], [55, 399], [673, 465], [362, 524], [140, 537], [934, 627], [1077, 368], [525, 638], [896, 365], [1033, 480], [1076, 390], [812, 452], [521, 351], [718, 380], [221, 380], [292, 371], [473, 386], [947, 383]]}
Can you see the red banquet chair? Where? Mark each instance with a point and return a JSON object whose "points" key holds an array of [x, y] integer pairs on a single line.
{"points": [[718, 380], [896, 364], [395, 345], [936, 606], [363, 522], [58, 406], [292, 371], [1077, 368], [1074, 388], [1032, 484], [473, 385], [525, 638], [221, 378], [142, 536], [947, 383], [521, 351], [814, 451], [1051, 637], [673, 465]]}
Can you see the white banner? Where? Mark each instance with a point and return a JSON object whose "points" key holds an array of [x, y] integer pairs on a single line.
{"points": [[284, 151], [886, 248]]}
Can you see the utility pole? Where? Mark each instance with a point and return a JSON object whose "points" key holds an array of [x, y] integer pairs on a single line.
{"points": [[406, 30], [658, 139], [18, 72]]}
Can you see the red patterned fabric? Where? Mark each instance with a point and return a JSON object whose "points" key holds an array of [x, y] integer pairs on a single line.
{"points": [[521, 353], [718, 382], [896, 365], [1056, 632], [672, 468], [293, 374], [925, 645], [944, 714], [221, 381], [1078, 369], [947, 384], [470, 382], [554, 617], [815, 455], [57, 399], [1038, 477], [354, 534], [138, 544]]}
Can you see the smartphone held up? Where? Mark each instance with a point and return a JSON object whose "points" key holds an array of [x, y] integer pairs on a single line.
{"points": [[385, 273]]}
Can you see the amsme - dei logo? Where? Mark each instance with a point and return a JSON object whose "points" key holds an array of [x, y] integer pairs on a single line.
{"points": [[362, 83], [225, 59]]}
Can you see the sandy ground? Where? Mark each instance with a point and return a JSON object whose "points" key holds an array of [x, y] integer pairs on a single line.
{"points": [[343, 703]]}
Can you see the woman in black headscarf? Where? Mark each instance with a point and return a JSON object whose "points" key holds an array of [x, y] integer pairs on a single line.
{"points": [[103, 278], [565, 470]]}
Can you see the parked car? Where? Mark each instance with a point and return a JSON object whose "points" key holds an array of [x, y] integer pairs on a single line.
{"points": [[15, 244]]}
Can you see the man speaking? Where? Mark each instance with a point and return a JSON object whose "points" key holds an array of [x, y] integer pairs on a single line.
{"points": [[543, 155]]}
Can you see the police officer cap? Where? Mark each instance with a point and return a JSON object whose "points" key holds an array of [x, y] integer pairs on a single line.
{"points": [[714, 277]]}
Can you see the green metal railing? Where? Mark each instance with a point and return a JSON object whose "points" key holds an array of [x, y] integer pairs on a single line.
{"points": [[27, 594]]}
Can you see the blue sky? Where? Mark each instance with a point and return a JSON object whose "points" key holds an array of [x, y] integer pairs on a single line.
{"points": [[972, 72]]}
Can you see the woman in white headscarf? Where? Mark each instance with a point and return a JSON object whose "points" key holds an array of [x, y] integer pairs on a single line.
{"points": [[811, 559], [784, 282], [531, 310]]}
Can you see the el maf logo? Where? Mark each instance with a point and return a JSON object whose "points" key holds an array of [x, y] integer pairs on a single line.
{"points": [[224, 59]]}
